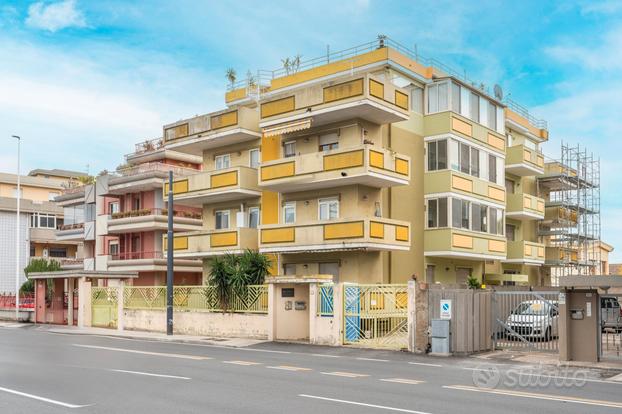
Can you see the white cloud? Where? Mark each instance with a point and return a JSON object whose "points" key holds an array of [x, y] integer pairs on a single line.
{"points": [[55, 16], [603, 56]]}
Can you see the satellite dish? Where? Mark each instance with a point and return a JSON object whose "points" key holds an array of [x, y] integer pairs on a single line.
{"points": [[498, 92]]}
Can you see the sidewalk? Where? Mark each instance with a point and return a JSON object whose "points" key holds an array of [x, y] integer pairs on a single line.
{"points": [[152, 336], [544, 358]]}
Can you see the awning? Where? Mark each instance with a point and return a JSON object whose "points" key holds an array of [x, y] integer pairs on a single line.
{"points": [[287, 128]]}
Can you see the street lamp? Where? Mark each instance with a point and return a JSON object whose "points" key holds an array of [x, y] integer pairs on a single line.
{"points": [[17, 246]]}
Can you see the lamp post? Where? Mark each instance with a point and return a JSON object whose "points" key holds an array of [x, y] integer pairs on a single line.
{"points": [[17, 246]]}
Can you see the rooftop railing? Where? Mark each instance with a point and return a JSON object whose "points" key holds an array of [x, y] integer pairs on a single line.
{"points": [[524, 112], [147, 146], [153, 167]]}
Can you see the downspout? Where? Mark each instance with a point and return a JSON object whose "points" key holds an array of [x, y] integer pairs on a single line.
{"points": [[389, 192]]}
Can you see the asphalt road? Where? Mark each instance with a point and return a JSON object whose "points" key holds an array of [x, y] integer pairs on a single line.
{"points": [[42, 372]]}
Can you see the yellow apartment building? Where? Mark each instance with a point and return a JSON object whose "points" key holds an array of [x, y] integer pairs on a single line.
{"points": [[372, 165]]}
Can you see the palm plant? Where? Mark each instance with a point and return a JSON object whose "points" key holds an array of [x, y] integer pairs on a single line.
{"points": [[219, 277], [256, 266]]}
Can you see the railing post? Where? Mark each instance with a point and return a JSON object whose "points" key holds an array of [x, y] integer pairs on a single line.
{"points": [[338, 324], [120, 316], [313, 299]]}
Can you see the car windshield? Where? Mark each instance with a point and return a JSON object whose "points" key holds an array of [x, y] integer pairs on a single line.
{"points": [[527, 308]]}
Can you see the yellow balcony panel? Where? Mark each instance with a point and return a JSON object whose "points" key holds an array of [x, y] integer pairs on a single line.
{"points": [[372, 234], [448, 122], [361, 96], [536, 129], [448, 181], [525, 252], [557, 256], [213, 130], [456, 243], [521, 206], [560, 214], [152, 220], [523, 161], [235, 183], [206, 243], [364, 164]]}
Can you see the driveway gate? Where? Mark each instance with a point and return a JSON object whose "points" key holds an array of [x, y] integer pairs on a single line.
{"points": [[526, 320], [375, 316], [104, 307]]}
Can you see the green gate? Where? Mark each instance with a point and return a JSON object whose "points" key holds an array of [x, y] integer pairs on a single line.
{"points": [[104, 307]]}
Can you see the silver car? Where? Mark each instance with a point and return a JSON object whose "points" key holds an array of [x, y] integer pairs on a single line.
{"points": [[534, 319]]}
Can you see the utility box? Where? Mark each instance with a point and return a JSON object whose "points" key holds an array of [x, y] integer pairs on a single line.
{"points": [[441, 336]]}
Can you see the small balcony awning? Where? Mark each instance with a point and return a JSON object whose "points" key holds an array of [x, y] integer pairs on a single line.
{"points": [[287, 127]]}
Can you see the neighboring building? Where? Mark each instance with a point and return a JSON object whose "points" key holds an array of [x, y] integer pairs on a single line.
{"points": [[615, 269], [598, 254], [121, 219], [39, 217]]}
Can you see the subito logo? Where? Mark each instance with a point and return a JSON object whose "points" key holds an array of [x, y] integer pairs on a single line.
{"points": [[487, 377]]}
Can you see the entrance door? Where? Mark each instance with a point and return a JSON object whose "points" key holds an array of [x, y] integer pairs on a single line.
{"points": [[331, 268], [429, 274], [292, 312], [462, 274]]}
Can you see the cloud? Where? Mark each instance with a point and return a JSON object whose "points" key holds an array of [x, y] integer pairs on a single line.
{"points": [[55, 16], [604, 55]]}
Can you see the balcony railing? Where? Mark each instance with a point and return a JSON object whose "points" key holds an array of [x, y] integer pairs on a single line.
{"points": [[523, 161], [153, 167], [155, 212], [458, 243], [521, 251], [148, 146], [525, 207], [137, 255], [74, 226], [205, 243]]}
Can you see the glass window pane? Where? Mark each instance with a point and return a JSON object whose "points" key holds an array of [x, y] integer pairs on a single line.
{"points": [[493, 221], [492, 168], [416, 97], [289, 213], [500, 222], [433, 99], [492, 116], [465, 214], [476, 217], [431, 156], [432, 213], [464, 158], [253, 217], [442, 212], [456, 211], [474, 162], [474, 107], [454, 155], [254, 158], [443, 97], [484, 218], [333, 209], [442, 154], [455, 97]]}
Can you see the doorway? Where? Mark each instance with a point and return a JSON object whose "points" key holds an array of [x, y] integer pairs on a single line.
{"points": [[462, 275]]}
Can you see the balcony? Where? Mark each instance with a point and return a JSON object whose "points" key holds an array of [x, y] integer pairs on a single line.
{"points": [[454, 243], [365, 164], [448, 122], [449, 181], [523, 206], [70, 232], [143, 177], [228, 127], [148, 261], [523, 161], [363, 97], [208, 243], [152, 219], [71, 263], [363, 233], [230, 184], [560, 256], [525, 252], [154, 150]]}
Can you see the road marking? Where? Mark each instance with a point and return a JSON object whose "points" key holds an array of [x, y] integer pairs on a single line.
{"points": [[382, 407], [344, 374], [149, 374], [372, 359], [530, 374], [248, 363], [425, 364], [403, 381], [537, 396], [48, 400], [289, 368], [134, 351], [326, 356]]}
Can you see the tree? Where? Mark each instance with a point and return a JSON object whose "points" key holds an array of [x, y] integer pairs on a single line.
{"points": [[39, 265]]}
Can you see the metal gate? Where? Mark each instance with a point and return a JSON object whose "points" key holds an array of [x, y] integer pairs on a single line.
{"points": [[375, 316], [104, 307], [610, 314], [526, 320]]}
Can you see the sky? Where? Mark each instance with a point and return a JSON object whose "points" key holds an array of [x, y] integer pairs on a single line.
{"points": [[81, 81]]}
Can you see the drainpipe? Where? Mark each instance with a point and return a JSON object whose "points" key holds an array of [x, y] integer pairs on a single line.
{"points": [[390, 205]]}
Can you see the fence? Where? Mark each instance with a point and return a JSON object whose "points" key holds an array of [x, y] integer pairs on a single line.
{"points": [[26, 301], [325, 301], [471, 323], [254, 299]]}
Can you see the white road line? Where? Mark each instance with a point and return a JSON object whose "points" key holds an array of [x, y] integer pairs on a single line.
{"points": [[381, 407], [149, 374], [247, 363], [345, 374], [372, 359], [48, 400], [402, 381], [289, 368], [326, 356], [425, 364], [537, 396], [134, 351]]}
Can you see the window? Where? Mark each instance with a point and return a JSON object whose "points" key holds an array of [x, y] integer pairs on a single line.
{"points": [[223, 161], [510, 231], [328, 209], [329, 141], [474, 107], [496, 221], [222, 219], [479, 214], [58, 252], [492, 168], [289, 268], [460, 213], [455, 97], [52, 195], [113, 247], [289, 212], [437, 155], [289, 149], [135, 203], [42, 220], [253, 217], [254, 157], [509, 186], [465, 159], [492, 116], [474, 162], [113, 207], [438, 97], [437, 213], [416, 100], [33, 251]]}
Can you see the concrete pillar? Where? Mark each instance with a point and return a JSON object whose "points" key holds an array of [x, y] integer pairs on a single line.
{"points": [[421, 317], [271, 311], [84, 303], [411, 315], [338, 326], [120, 292], [313, 292], [69, 301], [40, 305], [563, 325]]}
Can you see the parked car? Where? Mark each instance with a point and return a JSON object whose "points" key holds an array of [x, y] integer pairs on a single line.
{"points": [[610, 313], [534, 319]]}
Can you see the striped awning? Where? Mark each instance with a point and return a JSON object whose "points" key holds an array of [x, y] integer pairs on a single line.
{"points": [[287, 127]]}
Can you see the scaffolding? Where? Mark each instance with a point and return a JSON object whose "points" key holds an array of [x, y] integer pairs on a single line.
{"points": [[571, 226]]}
